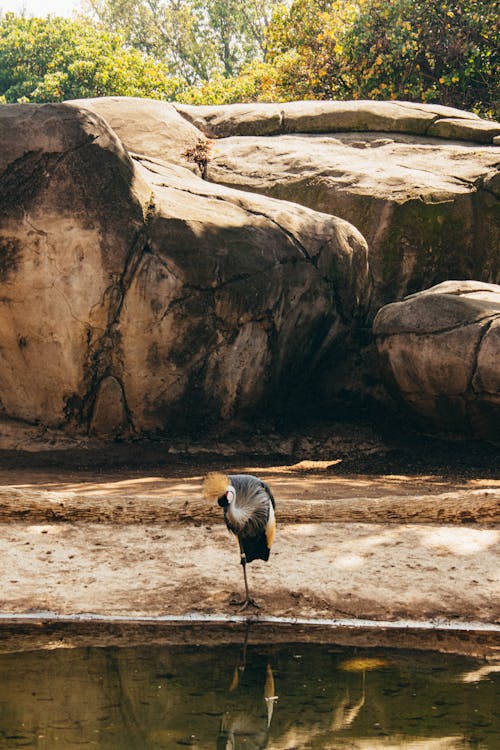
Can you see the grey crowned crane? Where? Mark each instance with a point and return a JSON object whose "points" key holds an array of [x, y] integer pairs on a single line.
{"points": [[249, 507]]}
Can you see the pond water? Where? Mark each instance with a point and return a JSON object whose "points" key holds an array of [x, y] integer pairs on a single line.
{"points": [[282, 697]]}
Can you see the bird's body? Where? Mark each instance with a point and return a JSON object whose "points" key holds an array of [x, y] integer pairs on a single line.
{"points": [[251, 516], [249, 513]]}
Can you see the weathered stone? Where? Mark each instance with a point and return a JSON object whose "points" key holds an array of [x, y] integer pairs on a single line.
{"points": [[220, 121], [487, 376], [440, 350], [235, 302], [146, 127], [137, 297], [427, 207], [492, 182], [367, 116], [481, 131], [234, 119], [71, 209], [109, 415]]}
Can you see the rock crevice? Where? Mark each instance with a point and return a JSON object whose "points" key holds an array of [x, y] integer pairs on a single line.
{"points": [[152, 281]]}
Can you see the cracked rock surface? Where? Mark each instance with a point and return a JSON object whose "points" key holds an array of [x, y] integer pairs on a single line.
{"points": [[242, 296], [420, 182], [136, 297], [166, 267], [70, 213], [441, 350]]}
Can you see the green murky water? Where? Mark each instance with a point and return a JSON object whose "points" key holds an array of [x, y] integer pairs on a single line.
{"points": [[277, 697]]}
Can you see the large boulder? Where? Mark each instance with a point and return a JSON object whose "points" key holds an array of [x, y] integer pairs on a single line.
{"points": [[218, 121], [235, 302], [147, 127], [163, 267], [71, 210], [138, 298], [440, 352], [420, 182]]}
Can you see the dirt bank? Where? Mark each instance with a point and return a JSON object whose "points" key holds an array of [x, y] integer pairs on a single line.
{"points": [[381, 571], [133, 543], [44, 634]]}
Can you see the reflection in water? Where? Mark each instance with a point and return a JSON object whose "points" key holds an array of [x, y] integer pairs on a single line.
{"points": [[483, 672], [346, 711], [248, 725], [256, 696]]}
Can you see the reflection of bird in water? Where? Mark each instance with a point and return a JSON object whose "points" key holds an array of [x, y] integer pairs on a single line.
{"points": [[345, 712], [249, 728], [483, 672], [247, 725], [249, 514]]}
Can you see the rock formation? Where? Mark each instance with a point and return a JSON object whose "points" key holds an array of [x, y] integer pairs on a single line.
{"points": [[440, 348], [427, 205], [164, 267], [136, 297], [71, 215]]}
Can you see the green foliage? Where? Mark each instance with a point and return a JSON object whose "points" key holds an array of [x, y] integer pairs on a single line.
{"points": [[170, 33], [248, 86], [301, 59], [225, 51], [52, 59], [444, 51], [199, 39], [305, 46]]}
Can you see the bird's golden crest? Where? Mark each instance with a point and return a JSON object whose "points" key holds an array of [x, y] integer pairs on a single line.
{"points": [[215, 485]]}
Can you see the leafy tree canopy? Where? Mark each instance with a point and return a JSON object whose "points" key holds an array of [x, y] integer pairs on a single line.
{"points": [[222, 51], [199, 39], [52, 59], [446, 51]]}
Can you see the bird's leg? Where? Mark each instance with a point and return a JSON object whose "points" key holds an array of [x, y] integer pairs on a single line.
{"points": [[242, 661], [248, 598], [247, 601], [245, 644]]}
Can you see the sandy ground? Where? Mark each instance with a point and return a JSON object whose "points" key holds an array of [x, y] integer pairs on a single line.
{"points": [[143, 543], [316, 570]]}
